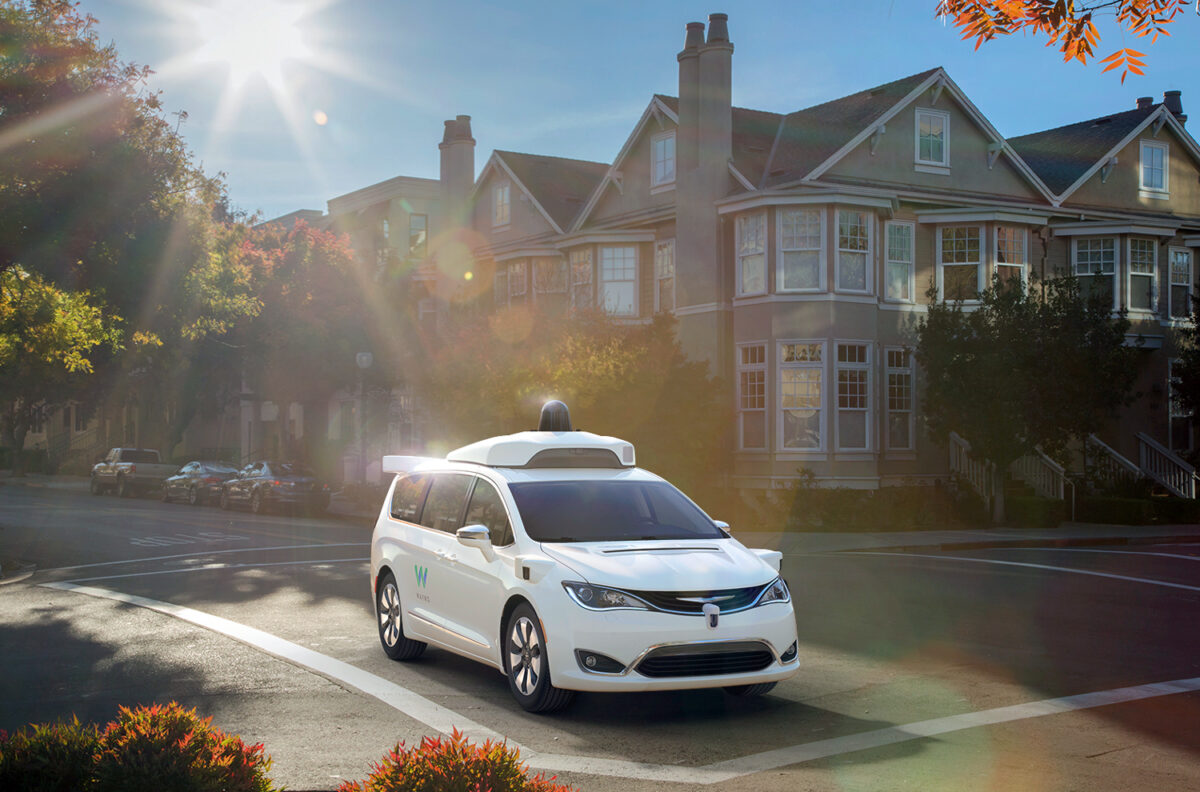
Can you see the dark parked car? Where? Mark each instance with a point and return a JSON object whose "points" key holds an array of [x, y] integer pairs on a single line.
{"points": [[198, 482], [269, 484]]}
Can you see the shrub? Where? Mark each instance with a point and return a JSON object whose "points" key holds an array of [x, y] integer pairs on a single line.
{"points": [[910, 508], [1177, 510], [55, 757], [1116, 511], [1030, 511], [156, 748], [452, 765]]}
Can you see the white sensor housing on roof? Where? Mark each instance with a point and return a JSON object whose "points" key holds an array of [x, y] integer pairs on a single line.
{"points": [[518, 450]]}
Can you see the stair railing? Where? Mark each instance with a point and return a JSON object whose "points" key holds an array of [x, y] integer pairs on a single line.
{"points": [[1108, 465], [1043, 475], [977, 473], [1160, 464]]}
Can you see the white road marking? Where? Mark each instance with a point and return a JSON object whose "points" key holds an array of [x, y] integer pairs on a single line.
{"points": [[1036, 566], [205, 553], [211, 567], [1095, 550], [443, 720]]}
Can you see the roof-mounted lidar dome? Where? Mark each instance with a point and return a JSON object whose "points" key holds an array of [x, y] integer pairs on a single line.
{"points": [[555, 417]]}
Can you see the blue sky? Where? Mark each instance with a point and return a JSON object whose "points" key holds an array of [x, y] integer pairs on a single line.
{"points": [[570, 78]]}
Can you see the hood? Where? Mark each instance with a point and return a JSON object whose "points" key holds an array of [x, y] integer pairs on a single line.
{"points": [[700, 565]]}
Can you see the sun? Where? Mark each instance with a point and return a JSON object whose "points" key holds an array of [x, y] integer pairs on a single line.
{"points": [[251, 39]]}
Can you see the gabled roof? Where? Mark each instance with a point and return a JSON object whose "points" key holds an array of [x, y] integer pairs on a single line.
{"points": [[560, 186], [809, 137], [1067, 156]]}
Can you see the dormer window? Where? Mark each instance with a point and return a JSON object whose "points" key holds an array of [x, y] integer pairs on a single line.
{"points": [[933, 141], [1155, 170], [500, 204], [662, 156]]}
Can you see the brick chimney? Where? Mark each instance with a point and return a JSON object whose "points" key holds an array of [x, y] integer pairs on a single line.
{"points": [[1145, 102], [457, 170], [1173, 101]]}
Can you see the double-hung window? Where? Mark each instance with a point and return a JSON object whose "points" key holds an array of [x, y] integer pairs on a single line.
{"points": [[582, 295], [752, 396], [801, 366], [549, 277], [1143, 274], [618, 279], [800, 251], [899, 265], [854, 250], [1095, 265], [664, 275], [516, 280], [752, 254], [1012, 256], [662, 154], [854, 396], [899, 400], [1181, 283], [500, 204], [1154, 170], [960, 255], [933, 138]]}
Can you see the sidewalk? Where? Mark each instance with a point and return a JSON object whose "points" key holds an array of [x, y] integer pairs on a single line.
{"points": [[1068, 534]]}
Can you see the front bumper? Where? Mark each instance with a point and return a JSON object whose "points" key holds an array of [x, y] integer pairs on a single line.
{"points": [[632, 637]]}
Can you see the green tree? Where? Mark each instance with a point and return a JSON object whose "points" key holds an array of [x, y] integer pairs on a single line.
{"points": [[47, 337], [492, 374], [1025, 369]]}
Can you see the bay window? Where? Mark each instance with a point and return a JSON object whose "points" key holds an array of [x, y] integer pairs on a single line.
{"points": [[1143, 274], [853, 250], [1095, 264], [898, 268], [801, 396], [752, 396], [800, 250], [960, 257], [853, 396], [618, 279], [751, 254], [1012, 256]]}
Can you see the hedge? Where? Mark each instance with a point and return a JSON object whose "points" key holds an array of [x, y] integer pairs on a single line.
{"points": [[1031, 511]]}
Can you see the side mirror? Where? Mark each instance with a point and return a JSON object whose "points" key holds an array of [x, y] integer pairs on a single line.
{"points": [[476, 536], [723, 527]]}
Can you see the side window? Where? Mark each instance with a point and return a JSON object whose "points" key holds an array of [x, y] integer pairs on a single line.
{"points": [[408, 497], [487, 509], [445, 502]]}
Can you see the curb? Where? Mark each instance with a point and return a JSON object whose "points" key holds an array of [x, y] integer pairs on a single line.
{"points": [[23, 571], [1082, 541]]}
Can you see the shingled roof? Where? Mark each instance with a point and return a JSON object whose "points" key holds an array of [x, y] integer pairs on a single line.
{"points": [[560, 185], [1060, 156]]}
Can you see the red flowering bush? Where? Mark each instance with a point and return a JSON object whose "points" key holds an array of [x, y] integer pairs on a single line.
{"points": [[167, 747], [54, 757], [452, 765]]}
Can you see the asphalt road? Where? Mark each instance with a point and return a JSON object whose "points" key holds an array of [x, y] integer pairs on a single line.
{"points": [[1036, 669]]}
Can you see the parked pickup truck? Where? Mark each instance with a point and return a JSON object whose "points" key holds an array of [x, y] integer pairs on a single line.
{"points": [[130, 471]]}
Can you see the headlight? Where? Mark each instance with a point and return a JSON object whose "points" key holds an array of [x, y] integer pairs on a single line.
{"points": [[600, 598], [776, 591]]}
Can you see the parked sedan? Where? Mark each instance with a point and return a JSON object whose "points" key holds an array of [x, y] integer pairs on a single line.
{"points": [[197, 482], [270, 484]]}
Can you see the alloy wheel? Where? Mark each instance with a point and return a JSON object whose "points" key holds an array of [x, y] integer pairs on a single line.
{"points": [[524, 656]]}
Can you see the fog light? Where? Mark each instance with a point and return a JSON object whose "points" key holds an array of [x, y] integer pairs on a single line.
{"points": [[790, 654], [596, 663], [589, 661]]}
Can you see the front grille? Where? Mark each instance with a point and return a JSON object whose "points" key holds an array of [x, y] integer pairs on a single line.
{"points": [[693, 660], [728, 600]]}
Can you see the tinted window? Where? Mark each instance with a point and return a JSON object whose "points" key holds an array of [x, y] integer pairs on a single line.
{"points": [[408, 497], [288, 469], [147, 457], [487, 509], [211, 468], [594, 511], [444, 505]]}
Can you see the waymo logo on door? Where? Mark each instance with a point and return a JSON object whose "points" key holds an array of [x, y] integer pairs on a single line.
{"points": [[422, 574]]}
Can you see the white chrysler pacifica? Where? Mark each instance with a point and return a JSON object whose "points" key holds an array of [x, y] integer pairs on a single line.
{"points": [[551, 557]]}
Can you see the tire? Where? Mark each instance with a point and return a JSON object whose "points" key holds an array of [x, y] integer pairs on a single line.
{"points": [[224, 500], [256, 502], [193, 497], [391, 627], [750, 691], [527, 666], [95, 487], [123, 488], [165, 495]]}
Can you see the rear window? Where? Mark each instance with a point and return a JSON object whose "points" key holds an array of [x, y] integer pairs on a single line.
{"points": [[408, 497], [603, 511]]}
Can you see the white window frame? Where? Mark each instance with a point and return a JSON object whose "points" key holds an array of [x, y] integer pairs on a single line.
{"points": [[1189, 285], [931, 165], [1116, 246], [663, 249], [666, 179], [1145, 190], [868, 412], [979, 265], [741, 255], [781, 254], [1152, 275], [501, 204], [997, 263], [868, 277], [823, 380], [581, 260], [518, 278], [910, 372], [604, 282], [752, 367], [544, 286], [888, 261]]}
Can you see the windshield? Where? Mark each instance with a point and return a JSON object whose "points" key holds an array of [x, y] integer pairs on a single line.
{"points": [[602, 511]]}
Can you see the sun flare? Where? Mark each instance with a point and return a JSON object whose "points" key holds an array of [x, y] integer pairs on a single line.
{"points": [[250, 39]]}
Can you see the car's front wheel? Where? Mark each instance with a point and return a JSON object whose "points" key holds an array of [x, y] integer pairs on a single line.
{"points": [[123, 488], [256, 502], [95, 487], [389, 619], [527, 666], [193, 496]]}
